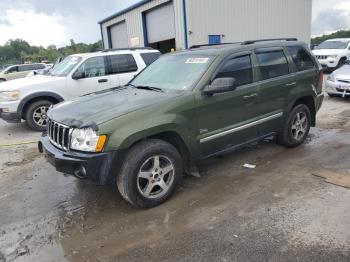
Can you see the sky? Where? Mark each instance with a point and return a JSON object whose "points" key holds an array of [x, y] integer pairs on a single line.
{"points": [[45, 22]]}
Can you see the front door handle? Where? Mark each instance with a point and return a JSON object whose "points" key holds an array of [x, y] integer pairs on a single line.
{"points": [[291, 84], [250, 96], [103, 80]]}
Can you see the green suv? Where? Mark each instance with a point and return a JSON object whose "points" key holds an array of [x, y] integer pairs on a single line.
{"points": [[182, 109]]}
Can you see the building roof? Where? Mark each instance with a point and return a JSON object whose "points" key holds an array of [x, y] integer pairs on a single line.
{"points": [[132, 7]]}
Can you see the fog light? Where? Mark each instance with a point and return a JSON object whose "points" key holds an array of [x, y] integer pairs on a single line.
{"points": [[80, 172], [6, 110]]}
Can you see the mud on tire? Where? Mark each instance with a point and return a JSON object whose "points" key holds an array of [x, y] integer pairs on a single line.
{"points": [[150, 174]]}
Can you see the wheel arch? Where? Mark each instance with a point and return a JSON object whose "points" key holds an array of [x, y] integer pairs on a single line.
{"points": [[50, 96], [175, 139], [309, 101]]}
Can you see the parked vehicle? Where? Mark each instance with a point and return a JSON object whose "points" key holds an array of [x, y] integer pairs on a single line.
{"points": [[338, 83], [186, 107], [19, 71], [77, 75], [333, 53], [45, 71]]}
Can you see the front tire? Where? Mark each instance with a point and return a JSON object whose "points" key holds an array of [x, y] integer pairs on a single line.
{"points": [[151, 173], [36, 115], [297, 127]]}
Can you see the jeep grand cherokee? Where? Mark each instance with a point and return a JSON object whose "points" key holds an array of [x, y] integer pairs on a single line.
{"points": [[186, 107]]}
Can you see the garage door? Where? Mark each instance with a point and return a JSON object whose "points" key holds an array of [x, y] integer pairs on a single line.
{"points": [[119, 35], [160, 24]]}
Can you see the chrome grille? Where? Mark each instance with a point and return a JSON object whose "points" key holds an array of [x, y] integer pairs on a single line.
{"points": [[59, 134], [322, 57]]}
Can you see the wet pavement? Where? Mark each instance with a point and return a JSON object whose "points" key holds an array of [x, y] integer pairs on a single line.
{"points": [[278, 211]]}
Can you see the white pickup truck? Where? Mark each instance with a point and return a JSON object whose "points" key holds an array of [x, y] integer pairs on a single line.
{"points": [[30, 98]]}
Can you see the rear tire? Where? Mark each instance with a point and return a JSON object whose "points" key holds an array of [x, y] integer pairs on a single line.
{"points": [[36, 115], [150, 174], [296, 128]]}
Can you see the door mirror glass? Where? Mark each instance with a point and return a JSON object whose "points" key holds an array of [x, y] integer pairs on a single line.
{"points": [[78, 75], [220, 85]]}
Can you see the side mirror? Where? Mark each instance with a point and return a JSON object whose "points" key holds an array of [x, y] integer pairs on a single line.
{"points": [[78, 75], [6, 72], [220, 85]]}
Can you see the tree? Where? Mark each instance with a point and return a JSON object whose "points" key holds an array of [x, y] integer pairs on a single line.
{"points": [[339, 34]]}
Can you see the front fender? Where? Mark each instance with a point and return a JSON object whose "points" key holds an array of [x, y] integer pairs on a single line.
{"points": [[124, 136]]}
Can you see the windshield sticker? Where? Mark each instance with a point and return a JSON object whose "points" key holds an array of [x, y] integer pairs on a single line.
{"points": [[197, 61]]}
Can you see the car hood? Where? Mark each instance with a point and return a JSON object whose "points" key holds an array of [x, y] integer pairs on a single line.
{"points": [[97, 108], [17, 84], [343, 72], [328, 51]]}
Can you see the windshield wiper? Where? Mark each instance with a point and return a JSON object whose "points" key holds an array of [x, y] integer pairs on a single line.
{"points": [[147, 88]]}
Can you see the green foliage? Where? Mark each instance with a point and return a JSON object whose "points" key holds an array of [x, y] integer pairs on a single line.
{"points": [[18, 51], [339, 34]]}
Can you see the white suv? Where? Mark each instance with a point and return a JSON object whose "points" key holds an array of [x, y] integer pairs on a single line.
{"points": [[333, 53], [77, 75]]}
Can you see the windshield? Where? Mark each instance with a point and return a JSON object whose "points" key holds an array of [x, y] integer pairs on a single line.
{"points": [[333, 45], [176, 72], [66, 66]]}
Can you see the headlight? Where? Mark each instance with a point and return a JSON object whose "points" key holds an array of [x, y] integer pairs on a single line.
{"points": [[331, 78], [87, 140], [6, 96], [332, 56]]}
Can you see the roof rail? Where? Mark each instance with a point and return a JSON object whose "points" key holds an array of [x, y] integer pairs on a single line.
{"points": [[126, 49], [206, 45], [250, 42]]}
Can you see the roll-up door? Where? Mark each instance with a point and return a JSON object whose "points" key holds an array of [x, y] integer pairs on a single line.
{"points": [[119, 35], [160, 24]]}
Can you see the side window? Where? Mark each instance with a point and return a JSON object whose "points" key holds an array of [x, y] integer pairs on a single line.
{"points": [[13, 69], [149, 58], [239, 68], [301, 58], [122, 64], [93, 67], [272, 64], [24, 68], [39, 66]]}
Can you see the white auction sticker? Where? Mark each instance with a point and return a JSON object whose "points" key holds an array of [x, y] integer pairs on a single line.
{"points": [[197, 60]]}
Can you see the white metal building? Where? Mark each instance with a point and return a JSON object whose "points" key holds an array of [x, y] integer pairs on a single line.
{"points": [[179, 24]]}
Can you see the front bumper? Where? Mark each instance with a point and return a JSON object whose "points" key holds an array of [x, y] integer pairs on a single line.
{"points": [[328, 64], [10, 117], [9, 113], [337, 88], [99, 167]]}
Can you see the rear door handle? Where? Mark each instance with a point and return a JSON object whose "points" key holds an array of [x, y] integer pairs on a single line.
{"points": [[291, 84], [250, 96], [103, 80]]}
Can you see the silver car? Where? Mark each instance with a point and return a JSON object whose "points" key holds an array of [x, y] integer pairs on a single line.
{"points": [[338, 83]]}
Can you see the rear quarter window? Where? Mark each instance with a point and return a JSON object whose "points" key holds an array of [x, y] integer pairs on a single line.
{"points": [[149, 58], [123, 64], [272, 64], [301, 58]]}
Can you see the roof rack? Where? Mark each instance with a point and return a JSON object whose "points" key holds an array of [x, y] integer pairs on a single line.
{"points": [[126, 49], [206, 45], [250, 42]]}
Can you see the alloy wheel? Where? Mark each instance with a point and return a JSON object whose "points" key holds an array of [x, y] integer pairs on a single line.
{"points": [[155, 176], [299, 126], [40, 116]]}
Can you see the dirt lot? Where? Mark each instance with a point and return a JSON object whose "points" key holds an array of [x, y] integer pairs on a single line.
{"points": [[278, 211]]}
